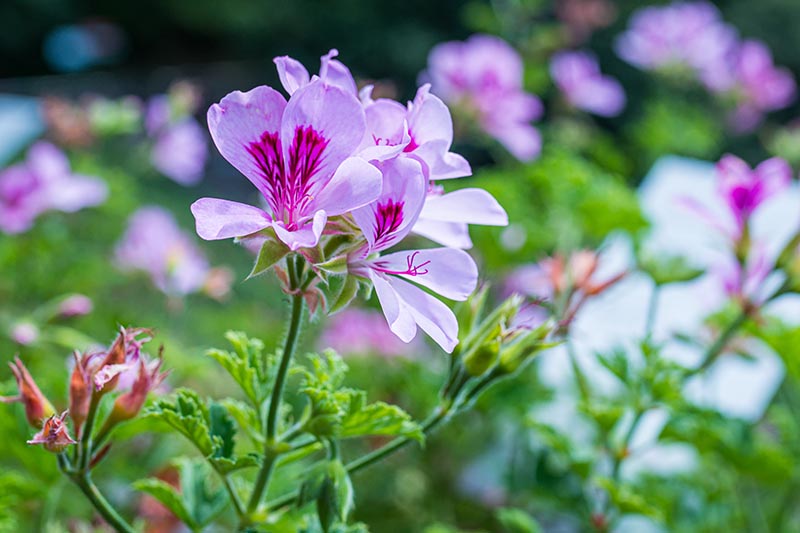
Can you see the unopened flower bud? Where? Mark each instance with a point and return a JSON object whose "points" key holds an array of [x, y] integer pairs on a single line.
{"points": [[128, 405], [80, 391], [515, 354], [481, 359], [54, 435], [37, 407]]}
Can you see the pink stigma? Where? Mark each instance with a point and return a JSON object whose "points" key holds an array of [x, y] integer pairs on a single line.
{"points": [[411, 268]]}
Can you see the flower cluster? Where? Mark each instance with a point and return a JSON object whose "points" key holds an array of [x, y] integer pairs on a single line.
{"points": [[692, 37], [123, 367], [483, 77], [154, 243], [578, 76], [344, 177], [44, 182]]}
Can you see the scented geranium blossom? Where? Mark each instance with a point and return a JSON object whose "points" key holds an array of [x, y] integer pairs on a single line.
{"points": [[423, 131], [155, 244], [294, 75], [682, 35], [300, 155], [44, 182], [759, 85], [484, 75], [449, 272], [578, 76]]}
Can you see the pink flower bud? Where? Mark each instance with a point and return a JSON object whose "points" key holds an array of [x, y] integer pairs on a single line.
{"points": [[75, 305], [37, 407]]}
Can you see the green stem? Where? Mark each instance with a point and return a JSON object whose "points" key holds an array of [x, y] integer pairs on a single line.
{"points": [[622, 453], [84, 482], [722, 341], [85, 445], [237, 503], [270, 455]]}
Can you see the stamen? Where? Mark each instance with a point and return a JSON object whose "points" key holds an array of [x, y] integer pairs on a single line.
{"points": [[411, 270]]}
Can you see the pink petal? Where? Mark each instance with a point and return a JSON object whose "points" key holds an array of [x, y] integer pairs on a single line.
{"points": [[76, 193], [354, 184], [336, 120], [333, 72], [429, 119], [241, 120], [387, 131], [472, 206], [223, 219], [292, 73], [403, 181], [523, 141], [434, 317], [47, 162], [306, 235], [397, 314], [776, 175], [446, 271], [451, 234]]}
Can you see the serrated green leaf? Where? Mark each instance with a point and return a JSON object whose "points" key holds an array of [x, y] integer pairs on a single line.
{"points": [[270, 253], [222, 428], [226, 465], [185, 412], [202, 502], [246, 418], [248, 365], [378, 418]]}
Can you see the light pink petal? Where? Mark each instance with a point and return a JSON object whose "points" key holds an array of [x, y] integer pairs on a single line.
{"points": [[333, 72], [354, 184], [441, 164], [223, 219], [451, 234], [434, 317], [403, 181], [603, 96], [776, 175], [446, 271], [76, 193], [472, 206], [240, 122], [397, 314], [387, 131], [306, 235], [47, 162], [334, 125], [523, 141], [292, 73], [429, 119]]}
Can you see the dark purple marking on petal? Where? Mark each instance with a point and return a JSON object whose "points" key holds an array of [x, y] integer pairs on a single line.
{"points": [[388, 217]]}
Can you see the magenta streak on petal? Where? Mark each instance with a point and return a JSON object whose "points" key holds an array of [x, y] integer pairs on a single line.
{"points": [[411, 146], [388, 217], [289, 185], [412, 270]]}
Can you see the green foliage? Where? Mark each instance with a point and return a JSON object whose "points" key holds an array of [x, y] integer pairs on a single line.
{"points": [[666, 270], [329, 485], [343, 412], [208, 426], [196, 504], [248, 365], [270, 253]]}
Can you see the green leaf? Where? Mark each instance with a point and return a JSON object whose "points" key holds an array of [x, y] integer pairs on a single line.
{"points": [[378, 418], [348, 293], [344, 412], [270, 253], [226, 465], [246, 418], [248, 365], [328, 483], [169, 497], [185, 412], [627, 501], [517, 521], [222, 430], [668, 269], [203, 502]]}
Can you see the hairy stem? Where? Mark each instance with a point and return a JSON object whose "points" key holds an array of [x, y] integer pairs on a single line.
{"points": [[85, 445], [270, 455]]}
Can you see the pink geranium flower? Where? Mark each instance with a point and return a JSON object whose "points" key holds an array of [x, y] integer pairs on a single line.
{"points": [[44, 182], [300, 155], [449, 272], [484, 74], [578, 76]]}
